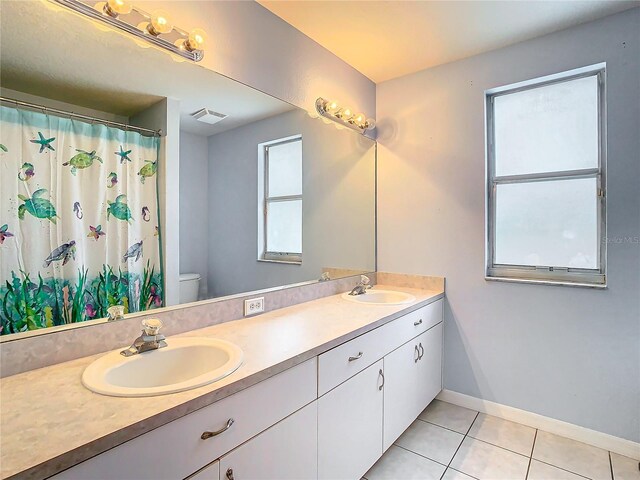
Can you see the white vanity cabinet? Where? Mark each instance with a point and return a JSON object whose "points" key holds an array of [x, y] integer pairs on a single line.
{"points": [[329, 418], [286, 451], [177, 449], [369, 405], [350, 426], [413, 379]]}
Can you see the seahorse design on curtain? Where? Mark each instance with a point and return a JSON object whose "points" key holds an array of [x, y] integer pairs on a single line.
{"points": [[78, 221]]}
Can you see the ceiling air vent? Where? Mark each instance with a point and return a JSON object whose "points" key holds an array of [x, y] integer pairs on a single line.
{"points": [[208, 116]]}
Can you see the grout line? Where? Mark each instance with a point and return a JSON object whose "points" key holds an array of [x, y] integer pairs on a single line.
{"points": [[470, 476], [457, 449], [446, 428], [535, 436], [611, 466], [418, 454], [560, 468]]}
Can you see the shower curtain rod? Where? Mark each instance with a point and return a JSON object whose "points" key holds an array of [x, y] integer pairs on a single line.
{"points": [[81, 117]]}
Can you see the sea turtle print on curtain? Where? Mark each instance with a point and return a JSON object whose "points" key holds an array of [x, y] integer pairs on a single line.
{"points": [[78, 221]]}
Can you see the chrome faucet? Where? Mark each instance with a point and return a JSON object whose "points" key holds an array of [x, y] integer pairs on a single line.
{"points": [[362, 286], [151, 338]]}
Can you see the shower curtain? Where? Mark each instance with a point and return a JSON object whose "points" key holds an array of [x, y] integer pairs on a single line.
{"points": [[78, 221]]}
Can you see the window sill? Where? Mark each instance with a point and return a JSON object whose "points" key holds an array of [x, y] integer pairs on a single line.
{"points": [[286, 262], [553, 283]]}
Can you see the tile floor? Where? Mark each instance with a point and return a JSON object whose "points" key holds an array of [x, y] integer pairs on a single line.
{"points": [[448, 442]]}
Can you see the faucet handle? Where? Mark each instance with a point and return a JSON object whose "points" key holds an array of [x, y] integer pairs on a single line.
{"points": [[364, 280], [115, 312], [152, 326]]}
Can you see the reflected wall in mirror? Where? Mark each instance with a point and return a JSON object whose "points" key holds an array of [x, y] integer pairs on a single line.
{"points": [[254, 194]]}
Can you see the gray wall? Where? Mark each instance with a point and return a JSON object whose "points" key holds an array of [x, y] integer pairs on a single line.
{"points": [[194, 207], [564, 352], [165, 115], [338, 203]]}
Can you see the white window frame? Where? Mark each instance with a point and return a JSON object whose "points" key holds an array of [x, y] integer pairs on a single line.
{"points": [[265, 200], [546, 274]]}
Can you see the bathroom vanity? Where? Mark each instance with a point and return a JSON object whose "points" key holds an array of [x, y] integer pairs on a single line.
{"points": [[326, 387]]}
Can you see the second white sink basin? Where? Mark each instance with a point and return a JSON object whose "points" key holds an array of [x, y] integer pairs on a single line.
{"points": [[380, 297], [186, 363]]}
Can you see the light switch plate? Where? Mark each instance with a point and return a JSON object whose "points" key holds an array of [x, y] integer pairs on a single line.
{"points": [[252, 306]]}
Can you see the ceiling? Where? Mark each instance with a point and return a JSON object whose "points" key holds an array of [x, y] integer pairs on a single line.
{"points": [[388, 39], [105, 70]]}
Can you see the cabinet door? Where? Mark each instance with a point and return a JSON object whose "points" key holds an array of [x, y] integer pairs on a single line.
{"points": [[350, 426], [401, 406], [429, 366], [286, 451]]}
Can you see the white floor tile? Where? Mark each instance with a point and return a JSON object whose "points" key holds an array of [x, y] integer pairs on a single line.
{"points": [[398, 463], [577, 457], [505, 434], [485, 461], [431, 441], [624, 468], [542, 471], [452, 474], [449, 416]]}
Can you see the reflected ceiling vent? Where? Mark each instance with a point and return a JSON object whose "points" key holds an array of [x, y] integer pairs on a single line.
{"points": [[208, 116]]}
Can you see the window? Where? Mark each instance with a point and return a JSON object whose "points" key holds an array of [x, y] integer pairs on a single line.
{"points": [[546, 179], [280, 194]]}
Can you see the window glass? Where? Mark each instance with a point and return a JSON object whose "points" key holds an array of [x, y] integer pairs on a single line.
{"points": [[547, 223], [547, 129], [284, 226], [285, 169]]}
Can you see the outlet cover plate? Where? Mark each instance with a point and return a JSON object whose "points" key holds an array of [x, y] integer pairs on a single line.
{"points": [[253, 306]]}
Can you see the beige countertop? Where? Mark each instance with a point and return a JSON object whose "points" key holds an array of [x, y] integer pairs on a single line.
{"points": [[49, 421]]}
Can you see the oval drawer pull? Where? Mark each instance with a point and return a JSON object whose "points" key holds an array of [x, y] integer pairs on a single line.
{"points": [[351, 359], [206, 435], [419, 322]]}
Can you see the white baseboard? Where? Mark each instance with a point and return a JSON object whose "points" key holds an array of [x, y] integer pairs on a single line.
{"points": [[575, 432]]}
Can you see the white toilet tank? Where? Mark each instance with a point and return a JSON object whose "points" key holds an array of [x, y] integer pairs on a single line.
{"points": [[189, 287]]}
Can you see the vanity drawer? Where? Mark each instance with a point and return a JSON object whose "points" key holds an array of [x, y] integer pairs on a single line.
{"points": [[403, 329], [176, 449], [344, 361]]}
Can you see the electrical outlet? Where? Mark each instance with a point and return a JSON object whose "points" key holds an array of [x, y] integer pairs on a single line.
{"points": [[253, 306]]}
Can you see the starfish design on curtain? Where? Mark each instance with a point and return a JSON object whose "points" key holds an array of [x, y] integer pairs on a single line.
{"points": [[123, 154], [44, 142]]}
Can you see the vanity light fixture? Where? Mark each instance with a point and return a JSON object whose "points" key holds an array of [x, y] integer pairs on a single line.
{"points": [[344, 115], [155, 28]]}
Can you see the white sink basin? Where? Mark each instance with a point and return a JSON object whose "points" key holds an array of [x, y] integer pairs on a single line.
{"points": [[380, 297], [186, 363]]}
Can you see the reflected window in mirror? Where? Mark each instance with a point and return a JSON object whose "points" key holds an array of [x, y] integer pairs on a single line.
{"points": [[280, 198]]}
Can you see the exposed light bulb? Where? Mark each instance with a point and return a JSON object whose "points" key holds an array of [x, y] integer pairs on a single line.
{"points": [[359, 119], [370, 124], [332, 107], [159, 23], [113, 8], [346, 114], [196, 41]]}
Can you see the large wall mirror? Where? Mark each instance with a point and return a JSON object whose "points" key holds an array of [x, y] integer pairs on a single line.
{"points": [[98, 210]]}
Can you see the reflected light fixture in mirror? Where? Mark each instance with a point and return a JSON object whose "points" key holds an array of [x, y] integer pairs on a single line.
{"points": [[155, 28], [344, 115]]}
